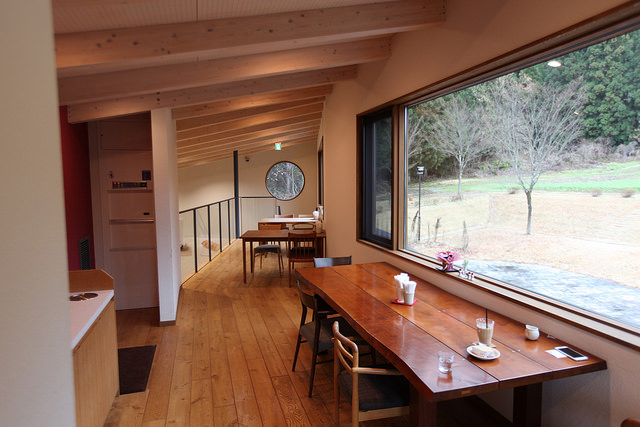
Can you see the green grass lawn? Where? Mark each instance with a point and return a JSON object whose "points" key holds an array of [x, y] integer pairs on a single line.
{"points": [[607, 178]]}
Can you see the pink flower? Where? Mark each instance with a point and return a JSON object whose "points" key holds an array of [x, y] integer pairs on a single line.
{"points": [[448, 256]]}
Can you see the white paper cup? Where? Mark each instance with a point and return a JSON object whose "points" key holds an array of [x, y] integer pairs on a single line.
{"points": [[408, 297]]}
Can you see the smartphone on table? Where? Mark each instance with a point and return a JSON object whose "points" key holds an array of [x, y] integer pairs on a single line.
{"points": [[571, 353]]}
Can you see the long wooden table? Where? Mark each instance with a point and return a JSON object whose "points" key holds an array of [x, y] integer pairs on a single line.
{"points": [[410, 338], [287, 221], [251, 236]]}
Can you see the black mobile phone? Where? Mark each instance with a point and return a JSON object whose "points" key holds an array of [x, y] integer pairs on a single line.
{"points": [[571, 353]]}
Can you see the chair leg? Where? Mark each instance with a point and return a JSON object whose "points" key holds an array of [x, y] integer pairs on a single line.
{"points": [[289, 273], [314, 351], [336, 388], [303, 318], [295, 356]]}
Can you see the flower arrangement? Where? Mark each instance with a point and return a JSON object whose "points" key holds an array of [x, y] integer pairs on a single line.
{"points": [[447, 258]]}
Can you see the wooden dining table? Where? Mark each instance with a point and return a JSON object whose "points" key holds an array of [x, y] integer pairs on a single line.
{"points": [[410, 337], [253, 236], [287, 221]]}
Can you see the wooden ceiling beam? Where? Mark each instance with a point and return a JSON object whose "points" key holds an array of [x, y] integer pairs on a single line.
{"points": [[218, 107], [202, 121], [141, 81], [83, 52], [171, 99], [268, 139], [248, 122], [213, 150], [270, 132], [235, 131], [228, 154]]}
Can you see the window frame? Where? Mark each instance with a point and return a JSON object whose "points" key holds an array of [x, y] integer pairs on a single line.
{"points": [[610, 24], [366, 197]]}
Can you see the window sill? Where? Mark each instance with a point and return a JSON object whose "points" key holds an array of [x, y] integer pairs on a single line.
{"points": [[598, 325]]}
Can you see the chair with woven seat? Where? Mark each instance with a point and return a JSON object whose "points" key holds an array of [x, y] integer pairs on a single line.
{"points": [[265, 248], [302, 246], [317, 332], [374, 392]]}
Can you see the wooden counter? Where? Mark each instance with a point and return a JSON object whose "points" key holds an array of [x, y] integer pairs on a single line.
{"points": [[95, 347]]}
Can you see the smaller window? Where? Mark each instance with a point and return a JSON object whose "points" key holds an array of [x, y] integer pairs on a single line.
{"points": [[377, 177], [285, 181]]}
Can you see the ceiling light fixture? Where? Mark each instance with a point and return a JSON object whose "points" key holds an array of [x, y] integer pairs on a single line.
{"points": [[554, 64]]}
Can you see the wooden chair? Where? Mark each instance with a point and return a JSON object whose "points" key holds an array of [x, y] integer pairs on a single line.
{"points": [[317, 332], [305, 216], [283, 216], [265, 248], [631, 422], [331, 262], [375, 392], [303, 226], [302, 246]]}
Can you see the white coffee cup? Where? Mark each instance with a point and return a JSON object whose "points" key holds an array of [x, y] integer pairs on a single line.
{"points": [[531, 332]]}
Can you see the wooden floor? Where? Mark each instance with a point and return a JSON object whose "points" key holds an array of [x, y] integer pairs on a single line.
{"points": [[228, 359]]}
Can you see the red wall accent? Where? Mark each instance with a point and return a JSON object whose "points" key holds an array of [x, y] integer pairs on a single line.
{"points": [[77, 187]]}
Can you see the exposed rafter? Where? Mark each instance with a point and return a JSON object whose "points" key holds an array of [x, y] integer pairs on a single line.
{"points": [[136, 104], [238, 83], [82, 53], [98, 87]]}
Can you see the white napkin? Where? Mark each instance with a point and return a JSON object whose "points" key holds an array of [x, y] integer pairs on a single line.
{"points": [[400, 279], [410, 287]]}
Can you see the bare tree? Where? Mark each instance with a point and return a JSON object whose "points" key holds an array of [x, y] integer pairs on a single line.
{"points": [[533, 124], [459, 132]]}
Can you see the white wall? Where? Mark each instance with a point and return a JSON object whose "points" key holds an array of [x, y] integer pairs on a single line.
{"points": [[165, 170], [200, 185], [36, 386], [474, 32]]}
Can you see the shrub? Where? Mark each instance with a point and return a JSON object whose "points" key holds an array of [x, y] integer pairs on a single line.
{"points": [[512, 190], [596, 192]]}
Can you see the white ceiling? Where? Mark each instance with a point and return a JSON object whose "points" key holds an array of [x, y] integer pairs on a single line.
{"points": [[237, 74]]}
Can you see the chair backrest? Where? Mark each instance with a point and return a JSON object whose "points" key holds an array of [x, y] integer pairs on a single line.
{"points": [[301, 245], [631, 422], [330, 262], [304, 226], [346, 351], [305, 216], [267, 226], [308, 300], [283, 216]]}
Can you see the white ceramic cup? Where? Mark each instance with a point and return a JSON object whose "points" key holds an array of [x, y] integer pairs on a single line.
{"points": [[531, 332]]}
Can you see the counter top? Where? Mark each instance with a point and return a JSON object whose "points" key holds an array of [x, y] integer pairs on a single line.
{"points": [[84, 313]]}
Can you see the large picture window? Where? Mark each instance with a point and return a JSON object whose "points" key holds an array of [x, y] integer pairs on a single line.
{"points": [[377, 177], [533, 178]]}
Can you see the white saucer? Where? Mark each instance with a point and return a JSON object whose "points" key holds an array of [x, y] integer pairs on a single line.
{"points": [[495, 355]]}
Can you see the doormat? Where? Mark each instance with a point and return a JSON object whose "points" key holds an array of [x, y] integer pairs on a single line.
{"points": [[134, 364]]}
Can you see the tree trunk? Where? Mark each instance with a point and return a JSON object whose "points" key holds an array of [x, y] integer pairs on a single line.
{"points": [[529, 209], [460, 181]]}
